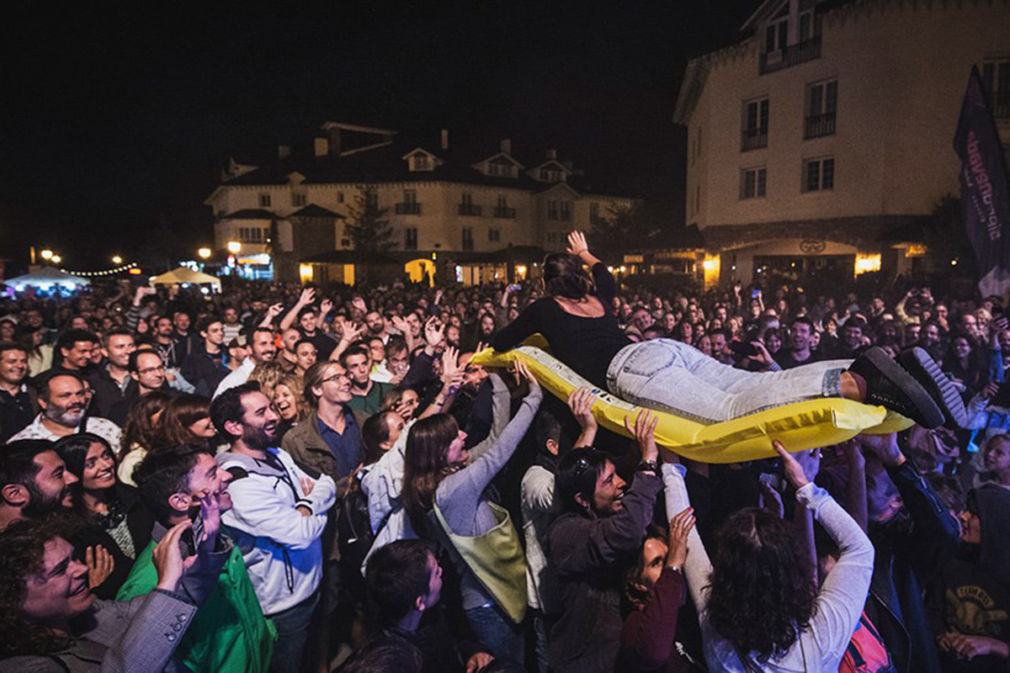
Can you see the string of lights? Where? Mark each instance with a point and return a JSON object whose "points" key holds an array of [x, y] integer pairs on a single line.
{"points": [[104, 272]]}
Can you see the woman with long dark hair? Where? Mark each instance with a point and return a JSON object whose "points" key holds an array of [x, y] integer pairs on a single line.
{"points": [[140, 431], [966, 366], [113, 514], [583, 333], [446, 501], [758, 602]]}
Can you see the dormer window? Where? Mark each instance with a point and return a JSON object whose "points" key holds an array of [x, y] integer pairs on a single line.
{"points": [[499, 169], [550, 175], [777, 31], [420, 160]]}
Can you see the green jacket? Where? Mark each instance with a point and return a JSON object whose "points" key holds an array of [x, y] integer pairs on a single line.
{"points": [[229, 633]]}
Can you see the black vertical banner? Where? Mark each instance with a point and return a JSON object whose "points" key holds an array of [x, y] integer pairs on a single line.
{"points": [[985, 206]]}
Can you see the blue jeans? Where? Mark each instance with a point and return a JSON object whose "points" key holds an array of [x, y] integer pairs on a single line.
{"points": [[292, 631], [497, 632], [669, 375]]}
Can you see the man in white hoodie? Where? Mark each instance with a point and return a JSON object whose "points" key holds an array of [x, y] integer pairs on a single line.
{"points": [[277, 520]]}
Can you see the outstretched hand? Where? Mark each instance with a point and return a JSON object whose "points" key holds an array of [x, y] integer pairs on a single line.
{"points": [[800, 467], [644, 433], [680, 528], [577, 243]]}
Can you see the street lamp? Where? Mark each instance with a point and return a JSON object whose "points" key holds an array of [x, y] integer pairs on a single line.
{"points": [[46, 254], [204, 253], [56, 259], [234, 247], [117, 260]]}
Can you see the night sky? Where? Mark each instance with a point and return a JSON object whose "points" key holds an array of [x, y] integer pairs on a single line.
{"points": [[115, 125]]}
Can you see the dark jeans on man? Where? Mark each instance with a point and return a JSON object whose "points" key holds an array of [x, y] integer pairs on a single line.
{"points": [[292, 632]]}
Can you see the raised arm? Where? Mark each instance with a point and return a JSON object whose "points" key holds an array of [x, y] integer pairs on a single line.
{"points": [[306, 298], [466, 485], [843, 593]]}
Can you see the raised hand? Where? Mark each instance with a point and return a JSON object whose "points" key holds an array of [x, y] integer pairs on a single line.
{"points": [[325, 306], [434, 332], [359, 304], [577, 243], [100, 565], [307, 297], [644, 433], [795, 470], [400, 324], [351, 332], [168, 560], [680, 528], [450, 364], [275, 310], [581, 404]]}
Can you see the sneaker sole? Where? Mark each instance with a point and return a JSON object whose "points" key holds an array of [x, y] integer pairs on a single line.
{"points": [[924, 369], [930, 412]]}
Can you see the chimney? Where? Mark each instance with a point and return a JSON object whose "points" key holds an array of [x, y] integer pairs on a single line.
{"points": [[335, 140], [283, 151], [321, 147], [552, 154], [506, 146], [445, 139]]}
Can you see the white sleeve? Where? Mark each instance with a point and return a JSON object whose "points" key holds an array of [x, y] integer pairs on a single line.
{"points": [[261, 511]]}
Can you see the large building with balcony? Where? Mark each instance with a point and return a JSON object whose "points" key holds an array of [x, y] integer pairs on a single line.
{"points": [[455, 214], [821, 140]]}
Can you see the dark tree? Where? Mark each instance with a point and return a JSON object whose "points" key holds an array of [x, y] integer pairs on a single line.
{"points": [[367, 227]]}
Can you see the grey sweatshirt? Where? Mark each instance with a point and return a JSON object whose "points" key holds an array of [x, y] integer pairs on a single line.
{"points": [[460, 496], [839, 603]]}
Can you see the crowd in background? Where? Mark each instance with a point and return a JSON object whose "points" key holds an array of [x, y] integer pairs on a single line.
{"points": [[292, 478]]}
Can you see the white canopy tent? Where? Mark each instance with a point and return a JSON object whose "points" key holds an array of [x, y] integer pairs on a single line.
{"points": [[47, 278], [185, 275]]}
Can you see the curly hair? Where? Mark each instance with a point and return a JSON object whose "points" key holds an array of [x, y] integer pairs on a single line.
{"points": [[23, 544], [762, 592]]}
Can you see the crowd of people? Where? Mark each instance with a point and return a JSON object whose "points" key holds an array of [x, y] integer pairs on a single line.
{"points": [[299, 479]]}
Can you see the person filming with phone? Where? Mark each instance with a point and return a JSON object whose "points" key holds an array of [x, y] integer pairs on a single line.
{"points": [[183, 485]]}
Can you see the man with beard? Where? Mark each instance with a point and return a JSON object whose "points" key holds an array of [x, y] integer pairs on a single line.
{"points": [[914, 536], [16, 398], [33, 481], [229, 631], [262, 350], [165, 343], [289, 342], [376, 324], [278, 517], [63, 401]]}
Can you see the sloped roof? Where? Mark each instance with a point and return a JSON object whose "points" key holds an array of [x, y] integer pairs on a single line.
{"points": [[249, 214], [313, 210], [386, 164]]}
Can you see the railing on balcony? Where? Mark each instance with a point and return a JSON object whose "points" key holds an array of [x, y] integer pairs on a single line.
{"points": [[753, 139], [509, 213], [469, 210], [999, 104], [819, 125], [408, 208], [794, 54]]}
